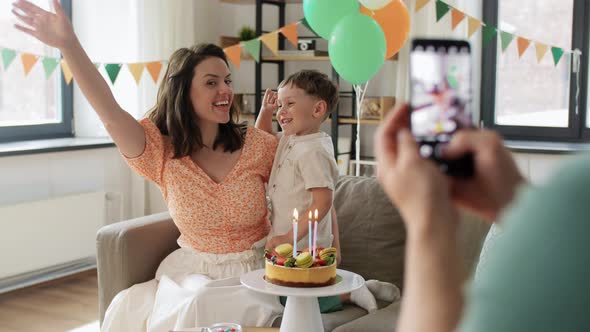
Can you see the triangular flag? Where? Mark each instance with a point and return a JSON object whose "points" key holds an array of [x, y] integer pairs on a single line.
{"points": [[290, 32], [457, 17], [523, 45], [506, 39], [474, 25], [7, 57], [49, 64], [28, 60], [442, 8], [234, 54], [271, 40], [420, 4], [66, 71], [253, 47], [541, 51], [489, 32], [154, 68], [557, 54], [113, 70], [136, 70]]}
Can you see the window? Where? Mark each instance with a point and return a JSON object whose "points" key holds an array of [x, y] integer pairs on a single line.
{"points": [[524, 99], [31, 106]]}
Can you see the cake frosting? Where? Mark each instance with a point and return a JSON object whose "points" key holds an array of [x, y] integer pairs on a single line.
{"points": [[303, 270]]}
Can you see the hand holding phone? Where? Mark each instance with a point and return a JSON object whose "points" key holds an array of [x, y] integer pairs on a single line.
{"points": [[440, 79]]}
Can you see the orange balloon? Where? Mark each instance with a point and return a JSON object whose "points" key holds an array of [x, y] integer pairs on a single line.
{"points": [[394, 19]]}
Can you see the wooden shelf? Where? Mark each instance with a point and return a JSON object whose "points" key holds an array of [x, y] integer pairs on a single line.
{"points": [[353, 121]]}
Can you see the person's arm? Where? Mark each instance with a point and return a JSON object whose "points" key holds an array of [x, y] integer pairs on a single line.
{"points": [[432, 300], [269, 107], [54, 29], [336, 234]]}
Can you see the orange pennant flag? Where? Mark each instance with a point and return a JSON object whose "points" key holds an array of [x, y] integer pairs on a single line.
{"points": [[290, 32], [523, 45], [474, 25], [28, 60], [234, 54], [457, 17], [271, 40], [420, 4], [154, 69], [66, 71], [541, 51], [136, 70]]}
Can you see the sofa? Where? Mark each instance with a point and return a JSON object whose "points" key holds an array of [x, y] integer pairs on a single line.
{"points": [[372, 236]]}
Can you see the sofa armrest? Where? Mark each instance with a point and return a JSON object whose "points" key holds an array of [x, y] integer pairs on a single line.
{"points": [[129, 252], [384, 319]]}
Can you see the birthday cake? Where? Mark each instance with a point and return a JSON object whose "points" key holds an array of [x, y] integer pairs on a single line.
{"points": [[303, 270]]}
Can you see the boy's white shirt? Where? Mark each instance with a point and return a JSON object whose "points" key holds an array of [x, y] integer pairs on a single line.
{"points": [[301, 163]]}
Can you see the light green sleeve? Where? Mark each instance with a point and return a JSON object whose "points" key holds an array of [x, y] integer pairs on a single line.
{"points": [[538, 275]]}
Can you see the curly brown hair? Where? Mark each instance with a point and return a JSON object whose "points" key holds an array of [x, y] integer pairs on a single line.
{"points": [[173, 113]]}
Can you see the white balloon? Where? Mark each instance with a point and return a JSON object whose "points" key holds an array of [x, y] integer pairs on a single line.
{"points": [[375, 4]]}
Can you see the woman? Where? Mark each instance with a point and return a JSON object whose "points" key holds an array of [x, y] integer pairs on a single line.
{"points": [[210, 170], [535, 280]]}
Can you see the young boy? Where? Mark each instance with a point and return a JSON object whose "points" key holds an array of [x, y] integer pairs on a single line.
{"points": [[304, 173]]}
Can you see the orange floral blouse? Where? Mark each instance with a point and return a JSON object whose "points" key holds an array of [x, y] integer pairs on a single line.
{"points": [[212, 217]]}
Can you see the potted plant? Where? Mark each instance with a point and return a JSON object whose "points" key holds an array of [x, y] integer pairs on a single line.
{"points": [[246, 33]]}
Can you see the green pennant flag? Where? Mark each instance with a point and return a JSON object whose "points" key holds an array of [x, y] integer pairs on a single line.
{"points": [[7, 57], [557, 54], [489, 33], [506, 39], [113, 70], [49, 64], [253, 47], [442, 8]]}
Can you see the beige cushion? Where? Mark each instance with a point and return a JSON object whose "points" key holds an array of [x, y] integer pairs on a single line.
{"points": [[372, 233]]}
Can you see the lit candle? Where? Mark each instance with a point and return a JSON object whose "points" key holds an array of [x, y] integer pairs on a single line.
{"points": [[295, 220], [309, 234], [315, 233]]}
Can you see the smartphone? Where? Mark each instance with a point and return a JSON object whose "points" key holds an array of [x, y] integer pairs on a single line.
{"points": [[440, 101]]}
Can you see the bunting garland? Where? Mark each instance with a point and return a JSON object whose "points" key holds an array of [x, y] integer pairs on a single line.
{"points": [[489, 32]]}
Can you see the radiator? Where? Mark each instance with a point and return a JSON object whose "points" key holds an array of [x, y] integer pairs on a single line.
{"points": [[36, 237]]}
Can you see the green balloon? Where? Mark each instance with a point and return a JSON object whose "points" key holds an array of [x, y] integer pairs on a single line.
{"points": [[323, 15], [357, 48]]}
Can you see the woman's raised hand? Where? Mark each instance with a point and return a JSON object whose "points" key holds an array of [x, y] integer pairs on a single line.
{"points": [[53, 29]]}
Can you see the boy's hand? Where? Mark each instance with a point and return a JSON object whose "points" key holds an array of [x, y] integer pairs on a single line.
{"points": [[269, 102]]}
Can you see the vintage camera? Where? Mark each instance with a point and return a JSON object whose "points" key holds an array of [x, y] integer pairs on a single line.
{"points": [[306, 44]]}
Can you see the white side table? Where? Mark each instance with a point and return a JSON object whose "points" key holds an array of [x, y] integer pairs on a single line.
{"points": [[302, 311]]}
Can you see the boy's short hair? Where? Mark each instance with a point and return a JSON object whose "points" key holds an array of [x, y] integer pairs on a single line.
{"points": [[315, 84]]}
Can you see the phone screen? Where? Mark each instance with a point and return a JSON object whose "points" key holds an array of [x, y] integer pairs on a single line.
{"points": [[441, 89], [440, 75]]}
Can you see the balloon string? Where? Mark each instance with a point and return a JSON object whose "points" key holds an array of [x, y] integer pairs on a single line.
{"points": [[360, 97]]}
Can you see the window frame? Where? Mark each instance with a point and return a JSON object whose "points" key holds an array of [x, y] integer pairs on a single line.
{"points": [[53, 130], [576, 130]]}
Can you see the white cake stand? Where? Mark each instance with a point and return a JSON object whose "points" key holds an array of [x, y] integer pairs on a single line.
{"points": [[302, 311]]}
